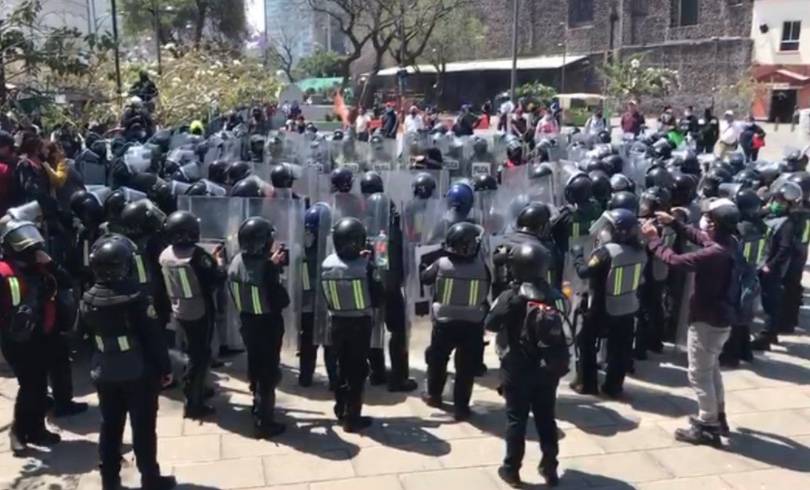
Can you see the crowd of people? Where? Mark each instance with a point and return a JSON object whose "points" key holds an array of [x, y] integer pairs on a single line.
{"points": [[548, 243]]}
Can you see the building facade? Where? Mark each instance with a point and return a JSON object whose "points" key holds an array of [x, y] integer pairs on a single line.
{"points": [[780, 30], [292, 24], [707, 41], [88, 16]]}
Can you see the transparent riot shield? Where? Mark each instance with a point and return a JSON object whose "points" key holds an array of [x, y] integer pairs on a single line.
{"points": [[637, 163], [179, 157], [178, 188], [138, 159], [377, 219], [274, 148], [578, 147], [453, 158], [419, 218], [398, 184], [347, 205], [343, 152], [413, 145], [220, 218], [92, 168], [287, 217], [541, 185], [100, 192], [499, 144], [566, 170], [382, 154], [316, 153], [317, 244]]}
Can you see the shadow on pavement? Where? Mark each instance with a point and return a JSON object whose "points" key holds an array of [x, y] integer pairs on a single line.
{"points": [[771, 449]]}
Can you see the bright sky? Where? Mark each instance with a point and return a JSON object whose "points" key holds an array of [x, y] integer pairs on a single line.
{"points": [[255, 15]]}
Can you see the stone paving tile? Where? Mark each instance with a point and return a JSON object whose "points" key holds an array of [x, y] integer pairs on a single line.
{"points": [[237, 446], [307, 467], [620, 467], [385, 460], [702, 460], [774, 398], [702, 483], [234, 473], [389, 482], [467, 478], [300, 486], [474, 452], [192, 449], [771, 479], [781, 422], [647, 436]]}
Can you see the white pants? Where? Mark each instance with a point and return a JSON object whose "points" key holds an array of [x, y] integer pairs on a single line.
{"points": [[704, 344]]}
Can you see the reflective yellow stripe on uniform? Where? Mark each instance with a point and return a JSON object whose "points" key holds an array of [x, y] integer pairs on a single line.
{"points": [[14, 287], [806, 233], [123, 343], [330, 289], [359, 299], [305, 278], [636, 276], [184, 284], [99, 343], [257, 303], [575, 229], [747, 252], [86, 253], [140, 268], [760, 250], [473, 300], [618, 279], [448, 291], [560, 305], [237, 299]]}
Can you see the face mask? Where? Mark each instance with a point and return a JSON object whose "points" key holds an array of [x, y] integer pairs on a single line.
{"points": [[705, 224], [777, 208]]}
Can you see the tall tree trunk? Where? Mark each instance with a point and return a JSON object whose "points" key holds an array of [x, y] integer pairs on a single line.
{"points": [[199, 24]]}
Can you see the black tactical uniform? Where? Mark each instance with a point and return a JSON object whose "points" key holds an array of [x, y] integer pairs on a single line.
{"points": [[130, 362], [259, 297]]}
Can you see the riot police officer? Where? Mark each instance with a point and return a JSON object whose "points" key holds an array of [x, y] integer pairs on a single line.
{"points": [[371, 186], [316, 228], [259, 297], [752, 232], [793, 278], [460, 199], [782, 222], [130, 363], [614, 271], [461, 282], [352, 290], [192, 276], [28, 289], [532, 226], [88, 209], [528, 319], [282, 179], [623, 200]]}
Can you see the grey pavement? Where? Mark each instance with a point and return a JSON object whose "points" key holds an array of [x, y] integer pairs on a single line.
{"points": [[607, 444]]}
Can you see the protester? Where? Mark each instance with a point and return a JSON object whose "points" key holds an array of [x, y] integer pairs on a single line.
{"points": [[413, 121], [632, 119], [361, 124], [729, 136], [8, 162], [752, 139], [596, 123]]}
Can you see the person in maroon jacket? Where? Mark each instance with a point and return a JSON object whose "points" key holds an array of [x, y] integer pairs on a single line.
{"points": [[632, 120], [710, 325]]}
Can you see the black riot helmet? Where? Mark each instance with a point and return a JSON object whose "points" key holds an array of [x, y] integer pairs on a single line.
{"points": [[479, 145], [749, 203], [614, 164], [624, 200], [795, 161], [684, 190], [257, 147], [237, 171], [87, 208], [463, 239], [624, 225], [540, 171], [621, 182], [662, 148], [603, 136], [653, 200], [256, 235], [142, 218], [802, 179], [658, 176], [485, 182], [514, 152], [710, 186], [182, 228], [424, 185], [723, 213], [790, 192], [600, 187], [592, 164], [737, 162], [217, 172], [111, 259], [690, 164], [371, 183], [749, 178], [534, 219], [349, 238], [281, 176], [114, 204], [342, 180], [579, 189], [21, 238], [249, 187], [528, 262]]}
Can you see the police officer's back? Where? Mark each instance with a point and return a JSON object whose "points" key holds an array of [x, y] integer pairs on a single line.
{"points": [[352, 290], [130, 362], [528, 319], [532, 226], [259, 297], [615, 272], [461, 282]]}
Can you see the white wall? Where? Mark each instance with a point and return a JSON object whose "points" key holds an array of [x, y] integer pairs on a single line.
{"points": [[774, 13]]}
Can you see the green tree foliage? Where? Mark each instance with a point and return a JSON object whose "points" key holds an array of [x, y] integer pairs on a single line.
{"points": [[36, 57], [630, 79], [321, 64], [187, 21], [535, 92]]}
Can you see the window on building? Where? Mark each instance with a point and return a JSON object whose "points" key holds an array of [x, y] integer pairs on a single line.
{"points": [[791, 32], [580, 12], [640, 8], [685, 12]]}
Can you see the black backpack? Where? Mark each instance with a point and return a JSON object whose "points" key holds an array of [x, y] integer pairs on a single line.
{"points": [[542, 338], [743, 291]]}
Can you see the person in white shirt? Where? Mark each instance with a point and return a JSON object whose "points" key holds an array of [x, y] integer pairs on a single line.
{"points": [[546, 127], [413, 121], [729, 136], [504, 111], [361, 124], [595, 124]]}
